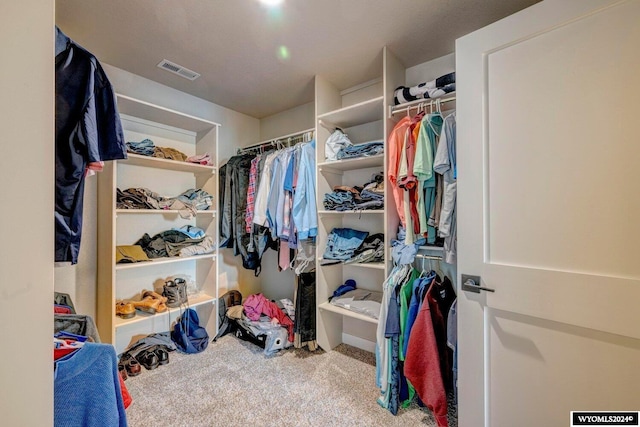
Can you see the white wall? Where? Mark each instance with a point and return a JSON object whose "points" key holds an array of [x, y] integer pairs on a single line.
{"points": [[289, 121], [26, 171], [430, 70], [236, 130]]}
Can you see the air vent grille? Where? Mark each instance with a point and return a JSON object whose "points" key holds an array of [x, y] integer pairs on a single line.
{"points": [[178, 69]]}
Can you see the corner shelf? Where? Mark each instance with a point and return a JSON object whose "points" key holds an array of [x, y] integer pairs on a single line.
{"points": [[194, 301], [327, 306], [156, 113], [158, 261], [351, 164], [356, 114], [166, 164]]}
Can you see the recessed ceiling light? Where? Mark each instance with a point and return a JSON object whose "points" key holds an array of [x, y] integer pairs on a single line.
{"points": [[271, 3]]}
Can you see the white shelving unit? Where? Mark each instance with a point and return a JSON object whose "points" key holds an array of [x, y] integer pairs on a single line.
{"points": [[360, 113], [191, 135]]}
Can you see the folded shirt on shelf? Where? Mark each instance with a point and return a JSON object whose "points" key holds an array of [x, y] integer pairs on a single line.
{"points": [[169, 153], [371, 250], [172, 243], [146, 147], [360, 301], [201, 159], [361, 150], [187, 203], [343, 242]]}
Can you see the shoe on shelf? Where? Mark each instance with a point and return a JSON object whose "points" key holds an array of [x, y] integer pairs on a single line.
{"points": [[162, 307], [124, 309], [148, 359], [175, 291], [148, 305], [153, 294]]}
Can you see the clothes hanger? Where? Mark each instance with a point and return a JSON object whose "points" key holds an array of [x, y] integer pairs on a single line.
{"points": [[424, 272]]}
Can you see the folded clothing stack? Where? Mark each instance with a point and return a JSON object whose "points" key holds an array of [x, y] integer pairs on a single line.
{"points": [[358, 300], [361, 150], [184, 241], [369, 196], [146, 147], [201, 159], [353, 246], [338, 147], [187, 203], [343, 242], [371, 250], [432, 89]]}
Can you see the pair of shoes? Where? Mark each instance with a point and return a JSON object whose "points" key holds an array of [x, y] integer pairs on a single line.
{"points": [[162, 353], [148, 359], [130, 366], [162, 307], [175, 291], [147, 305], [124, 309], [153, 357]]}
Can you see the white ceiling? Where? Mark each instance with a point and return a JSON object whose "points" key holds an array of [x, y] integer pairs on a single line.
{"points": [[234, 44]]}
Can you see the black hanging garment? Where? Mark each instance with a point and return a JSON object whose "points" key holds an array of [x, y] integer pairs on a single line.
{"points": [[88, 130]]}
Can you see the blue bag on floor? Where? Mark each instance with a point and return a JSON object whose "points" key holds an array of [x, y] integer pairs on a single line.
{"points": [[187, 333]]}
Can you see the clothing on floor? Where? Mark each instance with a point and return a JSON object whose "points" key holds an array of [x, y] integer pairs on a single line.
{"points": [[257, 305]]}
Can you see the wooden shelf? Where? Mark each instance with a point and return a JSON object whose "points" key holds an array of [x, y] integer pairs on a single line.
{"points": [[351, 164], [160, 211], [159, 114], [193, 302], [327, 306], [166, 164], [158, 261], [363, 212], [357, 114]]}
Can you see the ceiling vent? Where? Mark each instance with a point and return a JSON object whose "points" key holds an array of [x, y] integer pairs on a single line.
{"points": [[178, 69]]}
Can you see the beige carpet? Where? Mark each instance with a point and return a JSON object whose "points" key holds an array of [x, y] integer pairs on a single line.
{"points": [[232, 383]]}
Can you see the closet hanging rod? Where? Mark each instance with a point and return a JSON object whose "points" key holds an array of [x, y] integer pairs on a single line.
{"points": [[414, 105], [272, 142], [437, 258]]}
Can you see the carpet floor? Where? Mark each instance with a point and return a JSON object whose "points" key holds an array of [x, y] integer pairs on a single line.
{"points": [[232, 383]]}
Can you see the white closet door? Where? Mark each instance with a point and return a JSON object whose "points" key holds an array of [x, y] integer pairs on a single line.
{"points": [[549, 214]]}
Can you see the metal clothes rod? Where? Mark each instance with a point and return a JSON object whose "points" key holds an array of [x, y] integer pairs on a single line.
{"points": [[414, 105], [305, 135], [437, 258]]}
